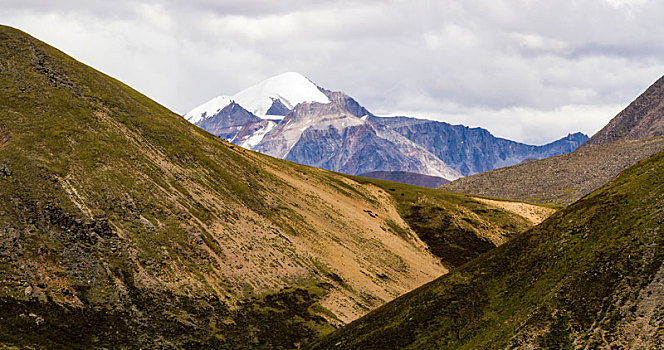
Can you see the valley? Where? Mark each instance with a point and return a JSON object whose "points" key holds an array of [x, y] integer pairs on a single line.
{"points": [[591, 280], [288, 216], [121, 217]]}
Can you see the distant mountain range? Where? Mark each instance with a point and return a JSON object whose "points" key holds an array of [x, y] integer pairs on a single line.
{"points": [[290, 117]]}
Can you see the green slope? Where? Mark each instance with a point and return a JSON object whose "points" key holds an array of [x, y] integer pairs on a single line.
{"points": [[590, 276], [123, 226]]}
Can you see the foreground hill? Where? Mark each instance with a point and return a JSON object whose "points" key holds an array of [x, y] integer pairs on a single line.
{"points": [[123, 225], [589, 277], [630, 136]]}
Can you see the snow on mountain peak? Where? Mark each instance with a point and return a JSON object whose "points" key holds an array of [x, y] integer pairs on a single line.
{"points": [[290, 88]]}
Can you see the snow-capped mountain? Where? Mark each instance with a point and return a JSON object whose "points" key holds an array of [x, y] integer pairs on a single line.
{"points": [[290, 117], [271, 99]]}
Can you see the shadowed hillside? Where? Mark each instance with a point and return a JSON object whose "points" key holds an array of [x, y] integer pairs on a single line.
{"points": [[408, 178]]}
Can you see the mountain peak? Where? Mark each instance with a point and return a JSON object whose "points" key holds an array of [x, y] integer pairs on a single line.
{"points": [[643, 118], [286, 90], [289, 88]]}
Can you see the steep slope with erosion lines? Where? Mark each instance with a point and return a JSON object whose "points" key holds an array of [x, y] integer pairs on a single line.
{"points": [[114, 205]]}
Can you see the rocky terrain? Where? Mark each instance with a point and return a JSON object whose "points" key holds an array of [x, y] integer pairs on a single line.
{"points": [[473, 150], [643, 118], [330, 130], [588, 277], [122, 225]]}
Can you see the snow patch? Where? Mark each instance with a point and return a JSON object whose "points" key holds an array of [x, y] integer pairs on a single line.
{"points": [[207, 109], [258, 136]]}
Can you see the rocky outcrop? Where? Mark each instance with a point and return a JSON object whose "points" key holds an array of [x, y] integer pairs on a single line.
{"points": [[643, 118]]}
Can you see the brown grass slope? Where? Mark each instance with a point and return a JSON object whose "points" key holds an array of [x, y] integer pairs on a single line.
{"points": [[123, 226], [457, 228]]}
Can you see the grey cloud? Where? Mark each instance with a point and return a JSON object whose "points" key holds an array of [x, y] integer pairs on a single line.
{"points": [[472, 60]]}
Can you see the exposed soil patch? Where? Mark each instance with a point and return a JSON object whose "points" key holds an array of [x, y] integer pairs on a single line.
{"points": [[531, 212]]}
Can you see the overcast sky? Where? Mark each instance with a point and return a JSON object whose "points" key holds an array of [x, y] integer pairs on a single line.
{"points": [[528, 70]]}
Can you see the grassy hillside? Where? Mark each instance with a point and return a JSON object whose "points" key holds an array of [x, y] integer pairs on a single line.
{"points": [[122, 225], [562, 179], [590, 276]]}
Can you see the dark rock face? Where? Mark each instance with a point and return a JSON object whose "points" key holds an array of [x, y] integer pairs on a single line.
{"points": [[277, 108], [353, 150], [643, 118], [228, 121], [408, 178], [473, 150]]}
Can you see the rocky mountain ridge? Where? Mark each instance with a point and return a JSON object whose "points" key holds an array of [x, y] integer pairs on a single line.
{"points": [[643, 118], [339, 134]]}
